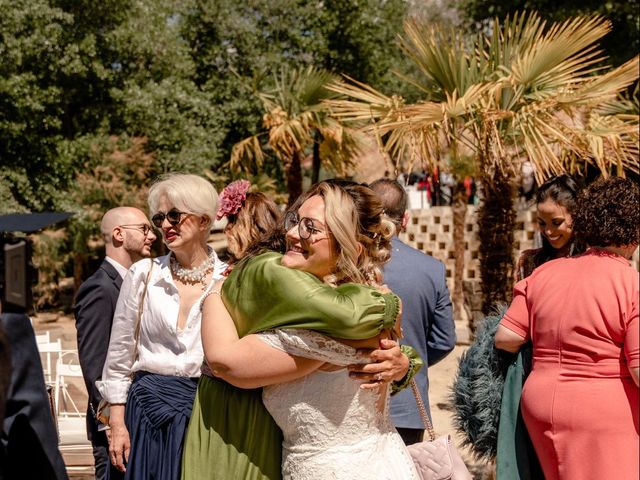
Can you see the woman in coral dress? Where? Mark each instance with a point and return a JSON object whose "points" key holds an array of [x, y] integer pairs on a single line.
{"points": [[580, 403]]}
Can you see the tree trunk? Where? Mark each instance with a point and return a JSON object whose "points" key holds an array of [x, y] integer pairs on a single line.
{"points": [[79, 266], [496, 224], [459, 208], [315, 166], [294, 178]]}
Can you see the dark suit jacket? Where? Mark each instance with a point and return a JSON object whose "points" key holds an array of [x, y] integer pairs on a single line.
{"points": [[94, 307], [29, 447], [427, 321]]}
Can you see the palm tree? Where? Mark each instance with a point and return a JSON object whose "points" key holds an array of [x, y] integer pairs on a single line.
{"points": [[525, 91], [294, 120], [543, 106], [431, 133]]}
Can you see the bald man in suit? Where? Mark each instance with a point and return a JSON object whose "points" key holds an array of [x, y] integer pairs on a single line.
{"points": [[128, 237]]}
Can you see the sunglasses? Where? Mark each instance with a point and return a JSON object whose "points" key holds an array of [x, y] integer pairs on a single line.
{"points": [[173, 216], [306, 227], [143, 227]]}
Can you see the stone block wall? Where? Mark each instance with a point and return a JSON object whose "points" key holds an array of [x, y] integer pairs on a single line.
{"points": [[431, 231]]}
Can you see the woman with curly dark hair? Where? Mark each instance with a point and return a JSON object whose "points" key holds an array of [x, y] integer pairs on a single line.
{"points": [[581, 401]]}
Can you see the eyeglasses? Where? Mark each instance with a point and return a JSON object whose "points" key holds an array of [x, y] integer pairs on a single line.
{"points": [[306, 227], [173, 216], [143, 227]]}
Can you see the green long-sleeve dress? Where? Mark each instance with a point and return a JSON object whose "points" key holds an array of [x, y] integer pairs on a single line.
{"points": [[231, 435]]}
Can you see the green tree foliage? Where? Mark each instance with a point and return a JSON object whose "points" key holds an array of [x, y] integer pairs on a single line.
{"points": [[36, 61], [174, 72], [75, 69], [180, 74], [237, 45], [621, 44]]}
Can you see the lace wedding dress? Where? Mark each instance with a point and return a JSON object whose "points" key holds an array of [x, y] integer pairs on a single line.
{"points": [[332, 428]]}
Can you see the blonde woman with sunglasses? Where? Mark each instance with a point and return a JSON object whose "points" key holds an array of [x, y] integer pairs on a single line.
{"points": [[150, 376]]}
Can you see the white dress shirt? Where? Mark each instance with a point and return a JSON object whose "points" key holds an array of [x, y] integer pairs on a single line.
{"points": [[162, 347], [121, 269]]}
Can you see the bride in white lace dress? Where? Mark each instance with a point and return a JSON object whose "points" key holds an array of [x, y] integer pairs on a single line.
{"points": [[334, 429]]}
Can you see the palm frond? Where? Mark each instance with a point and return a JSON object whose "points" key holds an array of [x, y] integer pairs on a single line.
{"points": [[445, 70], [247, 153], [604, 88], [536, 62], [625, 106], [340, 147], [566, 51], [368, 104], [296, 90]]}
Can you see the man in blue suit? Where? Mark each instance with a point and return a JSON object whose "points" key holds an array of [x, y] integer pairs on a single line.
{"points": [[427, 321], [128, 236]]}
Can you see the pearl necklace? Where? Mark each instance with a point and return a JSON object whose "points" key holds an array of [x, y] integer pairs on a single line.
{"points": [[193, 275]]}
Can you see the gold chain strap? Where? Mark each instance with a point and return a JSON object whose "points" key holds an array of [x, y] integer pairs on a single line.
{"points": [[423, 410]]}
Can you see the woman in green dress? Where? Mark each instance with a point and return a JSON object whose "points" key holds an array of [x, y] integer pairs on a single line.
{"points": [[231, 435]]}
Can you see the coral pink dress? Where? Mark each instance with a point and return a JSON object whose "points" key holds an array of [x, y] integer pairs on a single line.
{"points": [[579, 403]]}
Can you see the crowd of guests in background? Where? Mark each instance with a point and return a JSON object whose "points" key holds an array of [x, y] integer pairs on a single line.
{"points": [[279, 361], [438, 186]]}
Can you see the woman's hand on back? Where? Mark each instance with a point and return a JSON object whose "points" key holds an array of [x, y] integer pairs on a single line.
{"points": [[388, 364]]}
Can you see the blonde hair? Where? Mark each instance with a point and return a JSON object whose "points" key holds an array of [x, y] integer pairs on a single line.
{"points": [[362, 233], [257, 216], [187, 192]]}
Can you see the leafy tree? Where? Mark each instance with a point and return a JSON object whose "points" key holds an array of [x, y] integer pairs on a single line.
{"points": [[72, 69], [115, 172], [235, 44], [36, 60]]}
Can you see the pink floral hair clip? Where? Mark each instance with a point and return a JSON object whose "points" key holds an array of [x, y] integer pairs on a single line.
{"points": [[232, 198]]}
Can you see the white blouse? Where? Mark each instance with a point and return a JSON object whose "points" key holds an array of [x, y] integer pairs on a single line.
{"points": [[162, 347]]}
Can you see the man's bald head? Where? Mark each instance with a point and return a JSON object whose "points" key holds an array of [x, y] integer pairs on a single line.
{"points": [[120, 216], [127, 234]]}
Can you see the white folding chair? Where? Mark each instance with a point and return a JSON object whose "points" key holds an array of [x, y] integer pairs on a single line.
{"points": [[43, 337], [72, 429], [67, 367], [50, 353]]}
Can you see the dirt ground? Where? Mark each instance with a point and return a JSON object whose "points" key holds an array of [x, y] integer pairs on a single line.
{"points": [[440, 378]]}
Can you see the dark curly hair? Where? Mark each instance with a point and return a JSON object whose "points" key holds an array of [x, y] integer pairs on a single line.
{"points": [[562, 190], [608, 213]]}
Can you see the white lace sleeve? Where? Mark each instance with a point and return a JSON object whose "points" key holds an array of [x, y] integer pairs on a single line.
{"points": [[310, 344]]}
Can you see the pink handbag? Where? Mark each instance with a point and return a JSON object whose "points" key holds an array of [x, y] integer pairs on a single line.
{"points": [[436, 458]]}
